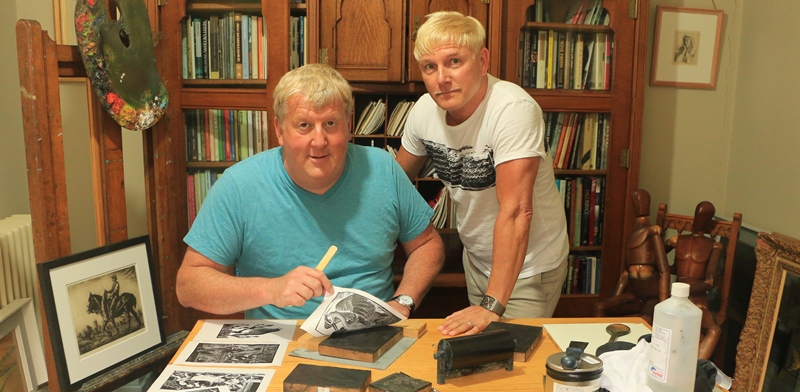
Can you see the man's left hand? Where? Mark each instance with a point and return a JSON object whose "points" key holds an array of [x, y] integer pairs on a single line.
{"points": [[469, 321]]}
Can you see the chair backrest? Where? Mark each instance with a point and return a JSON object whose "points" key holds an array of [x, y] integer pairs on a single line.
{"points": [[719, 229]]}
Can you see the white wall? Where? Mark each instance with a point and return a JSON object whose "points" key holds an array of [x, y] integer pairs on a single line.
{"points": [[765, 153], [686, 136], [735, 145]]}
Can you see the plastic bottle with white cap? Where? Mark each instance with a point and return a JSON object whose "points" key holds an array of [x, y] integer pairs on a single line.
{"points": [[672, 359]]}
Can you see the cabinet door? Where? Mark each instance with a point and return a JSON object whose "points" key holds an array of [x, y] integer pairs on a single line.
{"points": [[418, 9], [363, 39]]}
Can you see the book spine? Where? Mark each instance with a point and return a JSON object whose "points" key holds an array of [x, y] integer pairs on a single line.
{"points": [[190, 196], [213, 38], [525, 58], [559, 75], [260, 49], [245, 45], [253, 47], [551, 53], [237, 29], [204, 59], [198, 48]]}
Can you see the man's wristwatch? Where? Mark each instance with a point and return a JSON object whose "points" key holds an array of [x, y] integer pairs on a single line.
{"points": [[491, 304], [405, 300]]}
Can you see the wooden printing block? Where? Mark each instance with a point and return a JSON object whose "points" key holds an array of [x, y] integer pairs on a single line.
{"points": [[412, 328], [306, 377], [366, 345], [400, 382], [526, 338]]}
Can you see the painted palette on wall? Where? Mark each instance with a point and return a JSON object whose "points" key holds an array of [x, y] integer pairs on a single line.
{"points": [[118, 53]]}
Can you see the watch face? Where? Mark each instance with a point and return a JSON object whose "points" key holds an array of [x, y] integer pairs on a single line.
{"points": [[405, 301]]}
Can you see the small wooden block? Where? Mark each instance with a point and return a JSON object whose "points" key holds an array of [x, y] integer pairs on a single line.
{"points": [[366, 345], [310, 342], [412, 328], [526, 338], [306, 377], [400, 382]]}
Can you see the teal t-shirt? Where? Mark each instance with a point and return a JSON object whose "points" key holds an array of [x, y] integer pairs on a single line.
{"points": [[257, 218]]}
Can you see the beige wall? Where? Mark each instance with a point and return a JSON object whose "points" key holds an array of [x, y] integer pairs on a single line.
{"points": [[14, 193], [765, 152], [686, 134], [734, 145]]}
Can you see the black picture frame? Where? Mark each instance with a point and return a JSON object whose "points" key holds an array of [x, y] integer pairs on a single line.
{"points": [[86, 336]]}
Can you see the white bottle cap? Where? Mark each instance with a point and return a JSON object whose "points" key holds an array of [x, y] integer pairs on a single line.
{"points": [[680, 290]]}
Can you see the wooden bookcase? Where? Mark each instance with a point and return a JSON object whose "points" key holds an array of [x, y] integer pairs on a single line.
{"points": [[386, 69]]}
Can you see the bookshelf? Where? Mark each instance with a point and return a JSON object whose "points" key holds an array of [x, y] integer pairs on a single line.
{"points": [[380, 66]]}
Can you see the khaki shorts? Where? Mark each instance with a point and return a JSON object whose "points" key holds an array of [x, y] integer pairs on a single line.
{"points": [[535, 297]]}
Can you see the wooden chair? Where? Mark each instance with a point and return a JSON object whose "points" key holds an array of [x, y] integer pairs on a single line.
{"points": [[719, 228], [41, 63]]}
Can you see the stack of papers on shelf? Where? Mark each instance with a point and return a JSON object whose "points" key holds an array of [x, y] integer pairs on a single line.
{"points": [[398, 118], [441, 209], [371, 118]]}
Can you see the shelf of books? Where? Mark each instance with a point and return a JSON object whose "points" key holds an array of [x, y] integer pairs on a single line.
{"points": [[574, 53], [215, 140], [218, 43], [578, 143]]}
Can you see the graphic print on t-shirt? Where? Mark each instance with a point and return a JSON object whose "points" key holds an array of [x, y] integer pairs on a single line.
{"points": [[464, 167]]}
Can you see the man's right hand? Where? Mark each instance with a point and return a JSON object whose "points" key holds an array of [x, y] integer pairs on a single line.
{"points": [[298, 286]]}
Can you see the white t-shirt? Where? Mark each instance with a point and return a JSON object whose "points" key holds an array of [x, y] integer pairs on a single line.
{"points": [[507, 125]]}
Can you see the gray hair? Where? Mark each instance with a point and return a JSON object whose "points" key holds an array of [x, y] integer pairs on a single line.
{"points": [[318, 84]]}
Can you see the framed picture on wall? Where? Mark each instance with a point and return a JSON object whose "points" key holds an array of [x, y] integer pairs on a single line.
{"points": [[102, 309], [686, 47]]}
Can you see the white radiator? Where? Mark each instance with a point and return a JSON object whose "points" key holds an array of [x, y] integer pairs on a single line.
{"points": [[18, 278]]}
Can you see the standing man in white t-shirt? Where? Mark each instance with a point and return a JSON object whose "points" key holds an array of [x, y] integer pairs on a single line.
{"points": [[486, 139]]}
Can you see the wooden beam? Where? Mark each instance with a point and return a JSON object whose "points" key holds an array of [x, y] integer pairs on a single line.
{"points": [[44, 152], [108, 176]]}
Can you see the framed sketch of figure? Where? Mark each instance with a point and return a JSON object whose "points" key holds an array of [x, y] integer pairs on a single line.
{"points": [[686, 47]]}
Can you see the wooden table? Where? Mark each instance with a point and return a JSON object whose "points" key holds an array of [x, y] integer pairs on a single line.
{"points": [[418, 360]]}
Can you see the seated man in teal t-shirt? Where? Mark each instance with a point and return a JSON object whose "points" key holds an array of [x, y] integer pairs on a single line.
{"points": [[274, 215]]}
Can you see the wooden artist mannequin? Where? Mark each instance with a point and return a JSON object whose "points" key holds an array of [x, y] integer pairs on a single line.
{"points": [[696, 260], [646, 278]]}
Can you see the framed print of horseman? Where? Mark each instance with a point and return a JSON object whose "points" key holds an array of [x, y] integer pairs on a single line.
{"points": [[102, 309]]}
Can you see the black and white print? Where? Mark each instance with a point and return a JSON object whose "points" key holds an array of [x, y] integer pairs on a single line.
{"points": [[177, 378], [247, 330], [232, 353], [349, 310]]}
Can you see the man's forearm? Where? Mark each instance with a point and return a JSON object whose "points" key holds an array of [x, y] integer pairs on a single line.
{"points": [[422, 267], [508, 255], [211, 291]]}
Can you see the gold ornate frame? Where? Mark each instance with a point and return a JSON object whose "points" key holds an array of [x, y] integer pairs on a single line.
{"points": [[777, 255]]}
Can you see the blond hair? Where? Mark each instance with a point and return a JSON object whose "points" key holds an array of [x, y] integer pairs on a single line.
{"points": [[318, 84], [449, 27]]}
